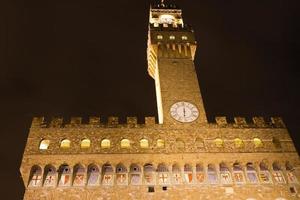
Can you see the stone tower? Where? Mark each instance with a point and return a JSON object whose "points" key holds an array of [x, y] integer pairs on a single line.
{"points": [[181, 157]]}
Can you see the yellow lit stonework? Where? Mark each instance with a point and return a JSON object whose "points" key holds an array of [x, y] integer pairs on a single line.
{"points": [[186, 157]]}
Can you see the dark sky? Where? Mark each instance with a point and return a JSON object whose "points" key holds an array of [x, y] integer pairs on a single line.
{"points": [[83, 58]]}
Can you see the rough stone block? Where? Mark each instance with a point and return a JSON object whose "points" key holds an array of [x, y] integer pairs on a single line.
{"points": [[131, 121], [94, 120], [222, 121], [56, 122], [150, 121], [37, 122], [278, 122], [259, 121], [240, 121], [113, 121], [75, 121]]}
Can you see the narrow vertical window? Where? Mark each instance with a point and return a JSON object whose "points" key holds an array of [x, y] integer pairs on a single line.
{"points": [[105, 143], [65, 144], [172, 37], [85, 144], [125, 143], [184, 37]]}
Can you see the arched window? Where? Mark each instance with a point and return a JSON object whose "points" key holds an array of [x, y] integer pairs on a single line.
{"points": [[199, 143], [257, 143], [212, 174], [184, 37], [291, 178], [172, 37], [125, 143], [93, 175], [277, 173], [264, 174], [176, 174], [108, 174], [144, 143], [65, 175], [65, 144], [149, 176], [105, 143], [44, 144], [238, 174], [200, 176], [276, 143], [121, 173], [219, 143], [163, 174], [225, 175], [79, 175], [160, 143], [238, 143], [251, 173], [85, 144], [50, 176], [35, 178], [159, 37], [188, 173], [135, 175]]}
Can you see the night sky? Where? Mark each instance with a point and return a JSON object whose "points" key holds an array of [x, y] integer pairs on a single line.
{"points": [[86, 58]]}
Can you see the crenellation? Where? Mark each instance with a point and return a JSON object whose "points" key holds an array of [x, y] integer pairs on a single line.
{"points": [[259, 122], [113, 121], [75, 122], [94, 121], [56, 122], [131, 122], [240, 122], [221, 121], [37, 122], [278, 122], [149, 121]]}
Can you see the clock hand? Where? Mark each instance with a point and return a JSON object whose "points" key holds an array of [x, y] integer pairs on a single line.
{"points": [[183, 111]]}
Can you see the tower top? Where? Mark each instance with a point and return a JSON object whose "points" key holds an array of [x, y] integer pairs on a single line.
{"points": [[163, 4]]}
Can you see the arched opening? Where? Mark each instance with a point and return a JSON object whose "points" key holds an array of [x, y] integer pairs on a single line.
{"points": [[121, 174], [50, 176], [219, 143], [65, 175], [105, 144], [200, 173], [225, 175], [44, 144], [160, 143], [65, 144], [212, 174], [149, 175], [238, 143], [135, 174], [291, 178], [79, 175], [176, 174], [125, 143], [251, 173], [85, 144], [93, 175], [144, 143], [257, 143], [163, 174], [188, 173], [277, 173], [108, 174], [35, 177], [264, 174], [238, 174]]}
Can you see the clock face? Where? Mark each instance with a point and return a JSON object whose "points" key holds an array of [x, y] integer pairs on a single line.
{"points": [[184, 111]]}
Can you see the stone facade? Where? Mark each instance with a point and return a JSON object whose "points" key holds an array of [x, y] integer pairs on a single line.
{"points": [[247, 159]]}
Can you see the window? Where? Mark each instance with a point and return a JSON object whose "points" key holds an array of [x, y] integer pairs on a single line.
{"points": [[44, 144], [65, 144], [93, 175], [172, 37], [219, 143], [160, 37], [35, 176], [160, 143], [257, 143], [144, 143], [156, 24], [105, 143], [151, 189], [164, 188], [184, 37], [79, 175], [238, 143], [125, 143], [50, 176], [85, 143]]}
